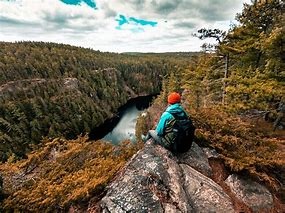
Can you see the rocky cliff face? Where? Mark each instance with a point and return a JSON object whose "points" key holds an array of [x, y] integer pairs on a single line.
{"points": [[155, 180]]}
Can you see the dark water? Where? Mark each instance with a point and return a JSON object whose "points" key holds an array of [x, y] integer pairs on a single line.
{"points": [[125, 129], [122, 126]]}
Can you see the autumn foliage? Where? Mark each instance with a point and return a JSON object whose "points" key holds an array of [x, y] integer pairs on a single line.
{"points": [[62, 173]]}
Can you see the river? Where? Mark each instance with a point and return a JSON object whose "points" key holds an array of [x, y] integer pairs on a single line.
{"points": [[123, 126], [125, 129]]}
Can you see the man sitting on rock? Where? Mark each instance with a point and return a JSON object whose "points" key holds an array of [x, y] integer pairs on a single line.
{"points": [[168, 128]]}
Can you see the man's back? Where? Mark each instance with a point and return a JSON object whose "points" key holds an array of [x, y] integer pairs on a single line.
{"points": [[173, 110], [179, 133], [174, 126]]}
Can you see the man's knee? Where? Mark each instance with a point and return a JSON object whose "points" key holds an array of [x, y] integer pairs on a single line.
{"points": [[154, 135]]}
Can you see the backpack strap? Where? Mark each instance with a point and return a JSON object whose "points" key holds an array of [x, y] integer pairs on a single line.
{"points": [[176, 117]]}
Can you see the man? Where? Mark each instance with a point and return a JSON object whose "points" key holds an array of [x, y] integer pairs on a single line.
{"points": [[163, 134]]}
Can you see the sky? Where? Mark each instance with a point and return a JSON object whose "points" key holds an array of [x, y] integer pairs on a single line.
{"points": [[116, 25]]}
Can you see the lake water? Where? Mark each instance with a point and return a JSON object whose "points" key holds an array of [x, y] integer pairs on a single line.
{"points": [[125, 129], [122, 125]]}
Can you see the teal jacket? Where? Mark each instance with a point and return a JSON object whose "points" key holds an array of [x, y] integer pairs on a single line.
{"points": [[175, 109]]}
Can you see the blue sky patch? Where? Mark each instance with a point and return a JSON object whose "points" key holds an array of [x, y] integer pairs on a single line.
{"points": [[122, 20], [134, 22], [90, 3], [143, 22]]}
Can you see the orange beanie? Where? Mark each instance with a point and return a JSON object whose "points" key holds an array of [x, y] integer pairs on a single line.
{"points": [[173, 98]]}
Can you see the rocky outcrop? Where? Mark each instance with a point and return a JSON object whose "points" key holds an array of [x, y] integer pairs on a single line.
{"points": [[20, 85], [254, 195], [25, 85], [156, 181], [197, 159], [70, 83], [206, 195]]}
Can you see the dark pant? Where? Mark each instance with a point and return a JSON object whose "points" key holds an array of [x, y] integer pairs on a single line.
{"points": [[153, 134], [158, 139]]}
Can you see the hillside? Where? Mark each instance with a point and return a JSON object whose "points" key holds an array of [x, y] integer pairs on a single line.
{"points": [[52, 90]]}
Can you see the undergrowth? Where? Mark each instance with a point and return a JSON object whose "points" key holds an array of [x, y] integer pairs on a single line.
{"points": [[62, 173], [242, 147]]}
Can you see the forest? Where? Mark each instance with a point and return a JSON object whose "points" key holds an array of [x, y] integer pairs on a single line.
{"points": [[51, 90], [51, 93]]}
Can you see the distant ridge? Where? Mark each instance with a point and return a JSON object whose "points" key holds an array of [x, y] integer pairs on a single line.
{"points": [[164, 53]]}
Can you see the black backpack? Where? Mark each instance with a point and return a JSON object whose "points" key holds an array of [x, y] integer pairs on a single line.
{"points": [[180, 134]]}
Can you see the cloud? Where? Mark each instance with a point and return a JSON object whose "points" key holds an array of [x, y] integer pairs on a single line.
{"points": [[57, 17], [147, 25], [185, 24], [108, 12], [8, 21], [166, 7]]}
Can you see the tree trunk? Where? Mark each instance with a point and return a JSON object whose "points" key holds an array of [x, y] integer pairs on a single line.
{"points": [[225, 77]]}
